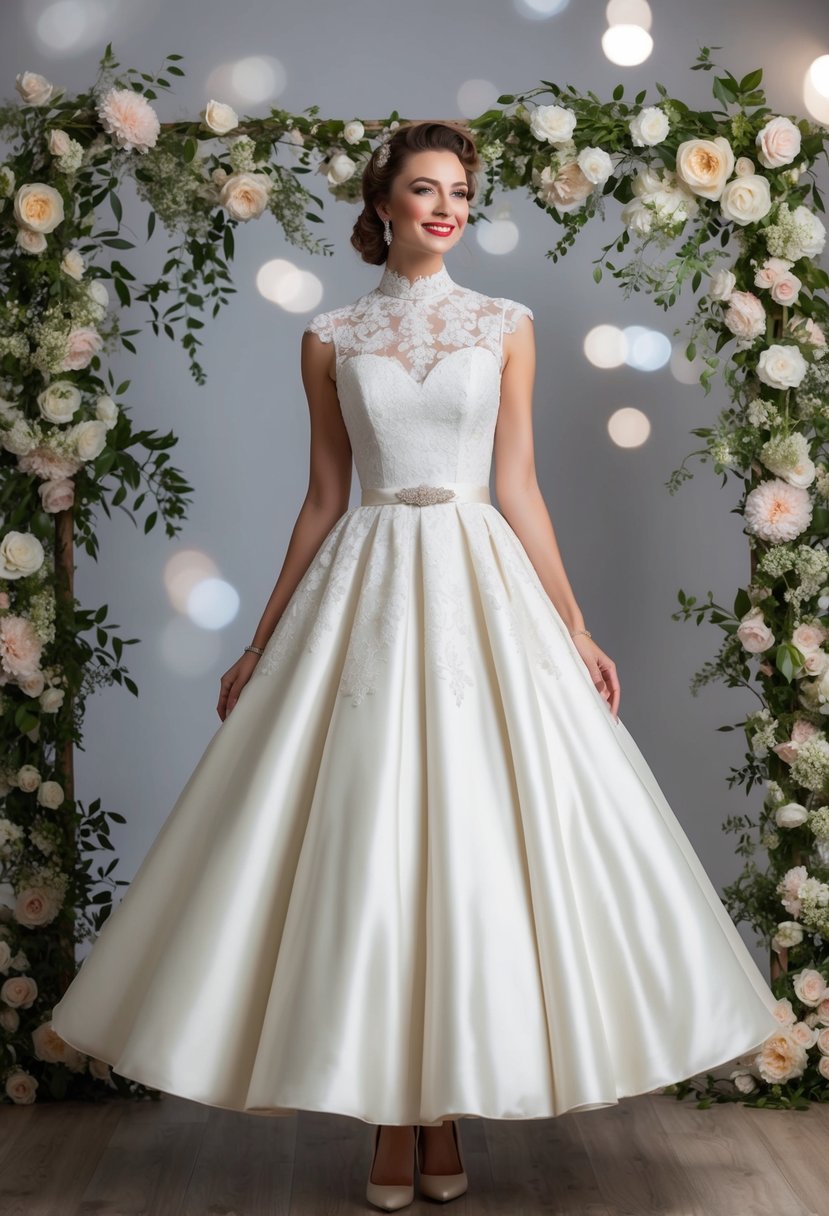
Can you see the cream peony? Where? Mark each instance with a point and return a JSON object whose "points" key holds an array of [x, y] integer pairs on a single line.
{"points": [[554, 123], [245, 195], [21, 554], [778, 143], [566, 189], [790, 815], [38, 207], [59, 401], [745, 200], [781, 1058], [130, 119], [34, 88], [48, 464], [50, 794], [781, 366], [73, 264], [650, 126], [339, 168], [789, 933], [705, 165], [88, 438], [219, 117], [776, 511], [82, 344], [745, 316], [722, 284], [49, 1046], [31, 242], [753, 632]]}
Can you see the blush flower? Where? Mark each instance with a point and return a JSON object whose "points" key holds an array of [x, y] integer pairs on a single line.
{"points": [[776, 511], [129, 119]]}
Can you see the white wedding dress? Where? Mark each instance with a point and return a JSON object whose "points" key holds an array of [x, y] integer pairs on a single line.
{"points": [[419, 871]]}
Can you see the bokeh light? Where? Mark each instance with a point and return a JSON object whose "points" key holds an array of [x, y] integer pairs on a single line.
{"points": [[626, 45], [292, 288], [628, 427], [605, 346]]}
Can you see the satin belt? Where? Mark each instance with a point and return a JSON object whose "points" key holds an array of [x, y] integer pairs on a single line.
{"points": [[424, 495]]}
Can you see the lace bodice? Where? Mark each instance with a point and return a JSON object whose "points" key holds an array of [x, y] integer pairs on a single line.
{"points": [[418, 370]]}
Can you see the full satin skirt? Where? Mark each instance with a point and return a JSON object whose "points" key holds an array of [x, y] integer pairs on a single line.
{"points": [[419, 872]]}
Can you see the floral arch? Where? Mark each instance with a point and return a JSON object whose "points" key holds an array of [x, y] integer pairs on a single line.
{"points": [[727, 198]]}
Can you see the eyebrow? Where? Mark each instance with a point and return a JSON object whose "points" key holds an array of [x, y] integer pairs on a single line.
{"points": [[433, 181]]}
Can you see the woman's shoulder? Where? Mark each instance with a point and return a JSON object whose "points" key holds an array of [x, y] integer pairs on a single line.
{"points": [[323, 324]]}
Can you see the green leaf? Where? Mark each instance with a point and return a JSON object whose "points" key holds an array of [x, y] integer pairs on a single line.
{"points": [[618, 92], [751, 81], [597, 274], [190, 149]]}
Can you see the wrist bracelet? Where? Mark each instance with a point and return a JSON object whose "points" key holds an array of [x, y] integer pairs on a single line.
{"points": [[587, 631], [256, 649]]}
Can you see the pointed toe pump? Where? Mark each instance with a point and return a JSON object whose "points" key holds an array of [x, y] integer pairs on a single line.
{"points": [[442, 1187], [388, 1196]]}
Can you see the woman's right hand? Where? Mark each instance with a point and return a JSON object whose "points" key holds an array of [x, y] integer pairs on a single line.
{"points": [[234, 680]]}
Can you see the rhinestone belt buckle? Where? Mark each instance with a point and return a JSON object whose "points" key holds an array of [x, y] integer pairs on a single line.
{"points": [[424, 495]]}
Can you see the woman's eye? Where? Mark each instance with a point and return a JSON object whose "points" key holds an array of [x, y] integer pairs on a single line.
{"points": [[418, 189]]}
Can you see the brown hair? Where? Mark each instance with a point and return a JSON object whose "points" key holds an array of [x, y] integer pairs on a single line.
{"points": [[367, 234]]}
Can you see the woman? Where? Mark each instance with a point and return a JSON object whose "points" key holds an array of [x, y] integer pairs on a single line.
{"points": [[422, 870]]}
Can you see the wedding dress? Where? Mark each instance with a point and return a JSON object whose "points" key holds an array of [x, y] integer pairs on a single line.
{"points": [[420, 871]]}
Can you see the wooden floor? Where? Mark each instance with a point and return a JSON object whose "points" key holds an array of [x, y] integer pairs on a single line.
{"points": [[649, 1154]]}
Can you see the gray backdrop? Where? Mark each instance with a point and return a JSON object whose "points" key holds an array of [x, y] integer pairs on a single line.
{"points": [[627, 544]]}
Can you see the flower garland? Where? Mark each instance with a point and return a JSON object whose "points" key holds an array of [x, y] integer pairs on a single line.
{"points": [[689, 182]]}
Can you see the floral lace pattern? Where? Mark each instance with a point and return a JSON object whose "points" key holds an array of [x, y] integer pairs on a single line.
{"points": [[418, 381]]}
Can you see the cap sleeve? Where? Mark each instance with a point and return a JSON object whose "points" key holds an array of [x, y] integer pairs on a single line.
{"points": [[513, 312], [321, 326]]}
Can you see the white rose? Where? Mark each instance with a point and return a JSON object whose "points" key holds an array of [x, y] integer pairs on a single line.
{"points": [[97, 290], [646, 181], [744, 1082], [789, 933], [745, 200], [38, 207], [18, 439], [21, 554], [353, 132], [59, 142], [743, 166], [649, 127], [722, 284], [59, 401], [219, 117], [245, 195], [745, 316], [637, 218], [781, 366], [340, 168], [778, 143], [73, 264], [705, 165], [51, 700], [28, 778], [32, 684], [790, 815], [50, 794], [89, 438], [107, 411], [786, 289], [31, 242], [812, 243], [33, 88], [552, 123], [595, 164]]}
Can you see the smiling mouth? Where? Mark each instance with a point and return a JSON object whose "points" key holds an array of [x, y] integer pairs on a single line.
{"points": [[440, 229]]}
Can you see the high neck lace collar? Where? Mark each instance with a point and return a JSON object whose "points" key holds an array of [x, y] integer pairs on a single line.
{"points": [[425, 285]]}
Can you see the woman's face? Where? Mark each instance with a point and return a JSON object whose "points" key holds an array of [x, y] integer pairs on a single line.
{"points": [[430, 189]]}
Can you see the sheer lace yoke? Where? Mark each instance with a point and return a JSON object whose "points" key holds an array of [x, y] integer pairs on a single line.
{"points": [[418, 323]]}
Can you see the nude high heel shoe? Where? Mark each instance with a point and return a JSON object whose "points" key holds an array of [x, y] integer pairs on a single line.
{"points": [[442, 1186], [388, 1196]]}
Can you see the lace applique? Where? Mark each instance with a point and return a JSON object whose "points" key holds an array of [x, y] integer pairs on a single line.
{"points": [[513, 312], [321, 326]]}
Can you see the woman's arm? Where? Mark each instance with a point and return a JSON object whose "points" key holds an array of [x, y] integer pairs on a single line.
{"points": [[523, 506], [516, 487], [329, 478], [326, 499]]}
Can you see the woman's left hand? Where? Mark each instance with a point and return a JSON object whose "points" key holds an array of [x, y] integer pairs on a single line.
{"points": [[602, 671]]}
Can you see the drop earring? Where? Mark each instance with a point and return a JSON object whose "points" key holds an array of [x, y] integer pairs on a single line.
{"points": [[387, 232]]}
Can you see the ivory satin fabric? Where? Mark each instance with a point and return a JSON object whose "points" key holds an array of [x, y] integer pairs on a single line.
{"points": [[419, 872]]}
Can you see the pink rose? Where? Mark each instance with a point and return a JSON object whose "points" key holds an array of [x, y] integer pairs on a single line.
{"points": [[36, 906], [778, 143], [19, 991], [809, 986], [786, 289], [754, 633], [83, 343], [20, 646], [57, 495], [771, 270]]}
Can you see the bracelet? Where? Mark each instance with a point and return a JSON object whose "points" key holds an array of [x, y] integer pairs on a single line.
{"points": [[587, 631], [256, 649]]}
